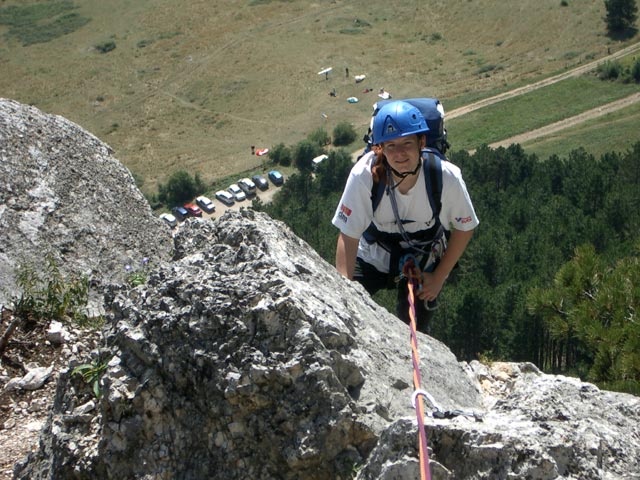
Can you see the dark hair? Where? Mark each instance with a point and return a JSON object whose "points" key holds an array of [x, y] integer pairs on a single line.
{"points": [[379, 169]]}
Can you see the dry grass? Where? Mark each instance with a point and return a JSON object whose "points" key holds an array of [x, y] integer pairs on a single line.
{"points": [[195, 84]]}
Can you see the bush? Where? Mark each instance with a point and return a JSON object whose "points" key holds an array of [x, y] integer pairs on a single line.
{"points": [[635, 71], [610, 71], [304, 152], [106, 47], [280, 155], [41, 22], [180, 188], [320, 137], [344, 134]]}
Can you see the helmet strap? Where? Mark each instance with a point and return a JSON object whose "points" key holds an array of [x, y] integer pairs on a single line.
{"points": [[402, 175]]}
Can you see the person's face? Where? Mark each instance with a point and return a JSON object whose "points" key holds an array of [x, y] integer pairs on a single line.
{"points": [[403, 154]]}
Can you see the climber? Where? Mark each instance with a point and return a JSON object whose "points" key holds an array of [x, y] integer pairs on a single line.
{"points": [[407, 218]]}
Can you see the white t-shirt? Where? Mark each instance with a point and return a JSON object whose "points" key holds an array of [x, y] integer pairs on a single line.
{"points": [[355, 211]]}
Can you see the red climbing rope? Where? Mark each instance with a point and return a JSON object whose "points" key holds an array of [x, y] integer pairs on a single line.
{"points": [[412, 273]]}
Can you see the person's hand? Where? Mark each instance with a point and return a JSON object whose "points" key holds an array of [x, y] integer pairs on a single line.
{"points": [[431, 286]]}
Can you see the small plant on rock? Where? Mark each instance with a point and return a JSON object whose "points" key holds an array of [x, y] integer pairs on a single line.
{"points": [[137, 276], [91, 374], [48, 295]]}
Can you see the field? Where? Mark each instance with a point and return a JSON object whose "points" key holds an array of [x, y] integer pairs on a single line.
{"points": [[194, 85]]}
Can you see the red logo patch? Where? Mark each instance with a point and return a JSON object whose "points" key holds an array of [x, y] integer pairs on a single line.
{"points": [[346, 210]]}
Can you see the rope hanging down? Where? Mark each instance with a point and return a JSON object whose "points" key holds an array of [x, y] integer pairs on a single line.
{"points": [[411, 272]]}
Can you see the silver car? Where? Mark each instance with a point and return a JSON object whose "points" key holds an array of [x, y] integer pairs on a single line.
{"points": [[237, 193]]}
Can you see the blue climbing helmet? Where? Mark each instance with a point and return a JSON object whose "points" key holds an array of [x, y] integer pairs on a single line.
{"points": [[397, 119]]}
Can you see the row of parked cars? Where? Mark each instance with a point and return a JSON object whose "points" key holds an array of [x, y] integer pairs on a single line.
{"points": [[237, 192]]}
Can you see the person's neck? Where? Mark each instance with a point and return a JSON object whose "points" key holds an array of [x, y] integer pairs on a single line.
{"points": [[406, 184]]}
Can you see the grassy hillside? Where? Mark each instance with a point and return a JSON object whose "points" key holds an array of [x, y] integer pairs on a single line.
{"points": [[195, 84]]}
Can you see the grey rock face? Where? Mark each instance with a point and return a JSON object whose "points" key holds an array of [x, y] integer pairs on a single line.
{"points": [[537, 427], [247, 357], [61, 192]]}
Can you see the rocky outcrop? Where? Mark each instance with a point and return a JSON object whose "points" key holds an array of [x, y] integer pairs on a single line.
{"points": [[250, 357], [245, 355], [63, 193], [536, 426]]}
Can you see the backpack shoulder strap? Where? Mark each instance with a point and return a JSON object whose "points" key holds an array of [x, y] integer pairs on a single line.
{"points": [[377, 192], [432, 164]]}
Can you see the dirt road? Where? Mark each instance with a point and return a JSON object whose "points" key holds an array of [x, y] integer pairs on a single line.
{"points": [[557, 126], [569, 122], [587, 67]]}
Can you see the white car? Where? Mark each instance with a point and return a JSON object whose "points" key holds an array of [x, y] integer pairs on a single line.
{"points": [[225, 197], [318, 160], [237, 193], [170, 219], [205, 204]]}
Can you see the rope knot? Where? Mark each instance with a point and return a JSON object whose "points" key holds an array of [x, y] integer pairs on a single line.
{"points": [[410, 269]]}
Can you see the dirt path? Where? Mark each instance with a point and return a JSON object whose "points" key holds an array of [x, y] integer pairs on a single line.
{"points": [[569, 122], [557, 126], [542, 83]]}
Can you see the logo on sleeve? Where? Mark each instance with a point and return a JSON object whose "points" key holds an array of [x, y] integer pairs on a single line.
{"points": [[344, 213], [463, 220]]}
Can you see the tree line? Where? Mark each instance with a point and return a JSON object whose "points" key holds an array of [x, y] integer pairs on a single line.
{"points": [[552, 275]]}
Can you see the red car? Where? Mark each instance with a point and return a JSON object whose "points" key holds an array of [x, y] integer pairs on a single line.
{"points": [[193, 210]]}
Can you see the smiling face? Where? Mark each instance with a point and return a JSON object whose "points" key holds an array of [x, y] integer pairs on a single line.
{"points": [[403, 153]]}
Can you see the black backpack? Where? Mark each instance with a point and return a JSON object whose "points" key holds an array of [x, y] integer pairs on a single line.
{"points": [[432, 111]]}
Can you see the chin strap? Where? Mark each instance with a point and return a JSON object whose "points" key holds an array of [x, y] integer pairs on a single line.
{"points": [[403, 175]]}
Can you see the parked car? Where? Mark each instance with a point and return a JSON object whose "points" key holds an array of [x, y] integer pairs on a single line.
{"points": [[225, 197], [180, 213], [170, 219], [206, 204], [247, 186], [237, 193], [276, 177], [260, 182], [318, 160], [193, 210]]}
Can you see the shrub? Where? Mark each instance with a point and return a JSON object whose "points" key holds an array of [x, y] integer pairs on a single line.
{"points": [[91, 373], [180, 188], [304, 152], [320, 137], [635, 71], [48, 295], [280, 155], [344, 134], [106, 46], [610, 71], [41, 22]]}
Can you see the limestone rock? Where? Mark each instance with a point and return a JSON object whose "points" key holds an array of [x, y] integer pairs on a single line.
{"points": [[542, 427], [245, 355], [62, 193]]}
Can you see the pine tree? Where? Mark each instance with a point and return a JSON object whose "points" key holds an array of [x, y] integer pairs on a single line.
{"points": [[621, 15]]}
